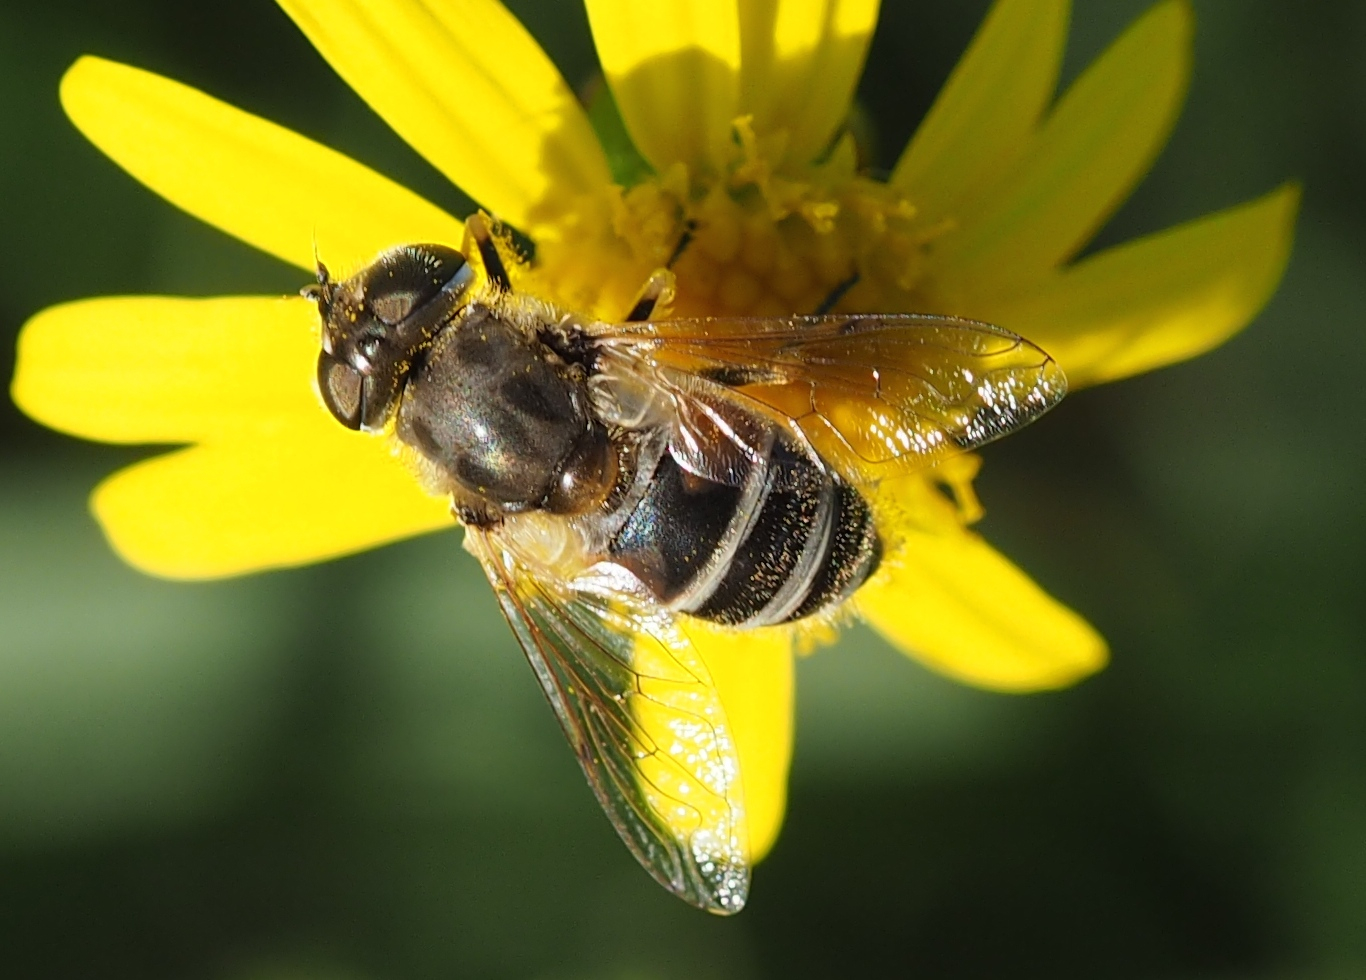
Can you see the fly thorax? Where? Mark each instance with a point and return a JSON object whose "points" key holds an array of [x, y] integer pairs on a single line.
{"points": [[504, 418]]}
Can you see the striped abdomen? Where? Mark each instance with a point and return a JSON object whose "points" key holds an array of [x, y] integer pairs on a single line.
{"points": [[790, 540]]}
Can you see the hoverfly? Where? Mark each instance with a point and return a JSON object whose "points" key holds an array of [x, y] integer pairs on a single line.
{"points": [[619, 480]]}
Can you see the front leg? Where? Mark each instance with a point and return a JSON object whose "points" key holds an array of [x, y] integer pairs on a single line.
{"points": [[478, 232], [476, 514], [658, 289]]}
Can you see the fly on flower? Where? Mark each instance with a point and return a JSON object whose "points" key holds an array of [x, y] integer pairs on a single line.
{"points": [[619, 480], [716, 466]]}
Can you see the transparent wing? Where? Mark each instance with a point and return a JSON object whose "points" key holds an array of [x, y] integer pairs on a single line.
{"points": [[865, 390], [640, 711]]}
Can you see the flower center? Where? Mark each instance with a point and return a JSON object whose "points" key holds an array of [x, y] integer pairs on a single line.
{"points": [[759, 240]]}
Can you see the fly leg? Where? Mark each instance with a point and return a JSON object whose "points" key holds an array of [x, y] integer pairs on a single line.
{"points": [[659, 288], [477, 230]]}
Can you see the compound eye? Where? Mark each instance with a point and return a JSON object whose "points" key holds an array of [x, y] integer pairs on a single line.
{"points": [[412, 276], [343, 390]]}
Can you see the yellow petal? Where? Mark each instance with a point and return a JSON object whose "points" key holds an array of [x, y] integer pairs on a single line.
{"points": [[799, 63], [467, 87], [753, 673], [952, 602], [674, 69], [1160, 299], [307, 493], [262, 183], [1095, 145], [988, 108], [155, 369]]}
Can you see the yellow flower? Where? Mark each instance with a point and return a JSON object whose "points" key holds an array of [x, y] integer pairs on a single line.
{"points": [[738, 107]]}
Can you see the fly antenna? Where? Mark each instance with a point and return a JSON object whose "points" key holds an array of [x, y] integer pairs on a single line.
{"points": [[319, 292]]}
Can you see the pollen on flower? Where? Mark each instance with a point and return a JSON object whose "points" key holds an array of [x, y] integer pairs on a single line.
{"points": [[766, 237]]}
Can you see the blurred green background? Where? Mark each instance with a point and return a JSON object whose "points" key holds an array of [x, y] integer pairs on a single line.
{"points": [[348, 772]]}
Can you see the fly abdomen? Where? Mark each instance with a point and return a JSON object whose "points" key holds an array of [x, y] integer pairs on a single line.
{"points": [[769, 574], [852, 553], [792, 539], [673, 534]]}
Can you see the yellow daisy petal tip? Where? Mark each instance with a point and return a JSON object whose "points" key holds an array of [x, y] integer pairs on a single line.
{"points": [[76, 75], [264, 184], [233, 508], [1280, 215], [152, 369], [26, 390], [1283, 204], [1165, 298], [754, 675], [52, 354], [1171, 18], [111, 511], [950, 601], [1071, 660]]}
